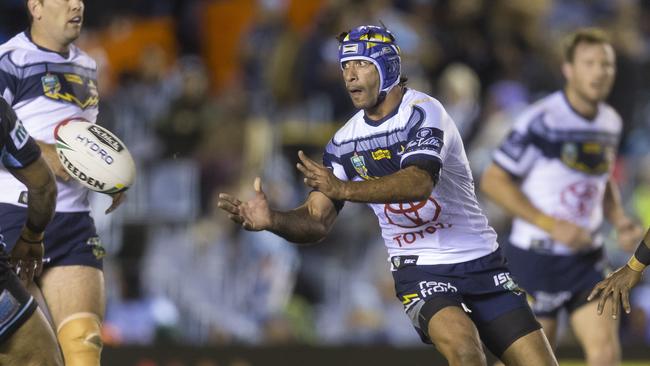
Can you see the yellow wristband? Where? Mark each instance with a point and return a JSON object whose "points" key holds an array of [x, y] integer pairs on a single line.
{"points": [[545, 222], [635, 265]]}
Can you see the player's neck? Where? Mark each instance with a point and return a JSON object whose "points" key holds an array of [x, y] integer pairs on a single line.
{"points": [[392, 100], [585, 108], [44, 39]]}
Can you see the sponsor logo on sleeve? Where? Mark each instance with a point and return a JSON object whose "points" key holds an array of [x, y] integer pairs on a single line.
{"points": [[427, 138], [19, 135]]}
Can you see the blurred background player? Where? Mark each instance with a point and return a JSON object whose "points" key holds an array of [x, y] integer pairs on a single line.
{"points": [[47, 80], [391, 155], [26, 337], [617, 286], [553, 173]]}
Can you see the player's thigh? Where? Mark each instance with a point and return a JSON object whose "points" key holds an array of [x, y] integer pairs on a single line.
{"points": [[69, 290], [33, 343], [598, 334], [454, 334], [532, 349]]}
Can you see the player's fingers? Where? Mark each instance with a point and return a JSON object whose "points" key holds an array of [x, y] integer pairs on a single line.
{"points": [[626, 300], [257, 185], [236, 218], [38, 268], [310, 183], [601, 302], [228, 198], [228, 207], [599, 287], [307, 161], [616, 303]]}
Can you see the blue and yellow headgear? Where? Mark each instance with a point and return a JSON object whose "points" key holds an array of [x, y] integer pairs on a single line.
{"points": [[374, 44]]}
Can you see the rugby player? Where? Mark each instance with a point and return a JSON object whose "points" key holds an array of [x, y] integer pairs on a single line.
{"points": [[402, 155], [553, 173], [47, 79]]}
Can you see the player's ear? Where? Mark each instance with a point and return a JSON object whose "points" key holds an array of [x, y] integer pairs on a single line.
{"points": [[35, 7], [567, 70]]}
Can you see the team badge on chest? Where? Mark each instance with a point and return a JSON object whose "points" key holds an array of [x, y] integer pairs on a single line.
{"points": [[359, 164], [51, 84]]}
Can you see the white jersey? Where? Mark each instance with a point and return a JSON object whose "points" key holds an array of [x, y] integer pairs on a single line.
{"points": [[564, 162], [44, 88], [449, 226]]}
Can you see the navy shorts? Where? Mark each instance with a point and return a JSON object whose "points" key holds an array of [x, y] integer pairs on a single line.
{"points": [[482, 287], [16, 304], [70, 238], [555, 282]]}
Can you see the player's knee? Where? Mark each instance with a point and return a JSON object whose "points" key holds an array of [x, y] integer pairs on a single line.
{"points": [[463, 353], [80, 339], [604, 353]]}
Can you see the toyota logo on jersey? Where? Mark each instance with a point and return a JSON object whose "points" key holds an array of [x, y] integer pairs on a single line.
{"points": [[412, 214]]}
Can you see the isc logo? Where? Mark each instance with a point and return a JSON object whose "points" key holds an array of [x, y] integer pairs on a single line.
{"points": [[501, 278]]}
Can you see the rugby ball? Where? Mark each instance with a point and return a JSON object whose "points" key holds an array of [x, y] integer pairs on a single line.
{"points": [[94, 156]]}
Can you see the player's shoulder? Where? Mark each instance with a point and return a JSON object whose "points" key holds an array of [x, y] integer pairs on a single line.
{"points": [[610, 115], [82, 58], [539, 110], [14, 50], [347, 131], [414, 100]]}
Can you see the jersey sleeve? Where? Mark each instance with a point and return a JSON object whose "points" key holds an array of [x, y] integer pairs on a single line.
{"points": [[426, 138], [9, 76], [18, 148], [332, 161], [520, 150]]}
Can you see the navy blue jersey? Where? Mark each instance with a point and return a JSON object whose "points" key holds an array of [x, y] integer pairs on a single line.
{"points": [[18, 148]]}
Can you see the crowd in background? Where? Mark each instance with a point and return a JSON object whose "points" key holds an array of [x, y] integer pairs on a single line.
{"points": [[179, 271]]}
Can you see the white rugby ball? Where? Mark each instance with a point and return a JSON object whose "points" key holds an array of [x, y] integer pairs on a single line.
{"points": [[94, 156]]}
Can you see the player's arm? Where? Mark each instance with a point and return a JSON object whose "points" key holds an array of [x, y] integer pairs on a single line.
{"points": [[502, 188], [41, 197], [22, 158], [308, 223], [628, 230], [413, 183], [50, 156]]}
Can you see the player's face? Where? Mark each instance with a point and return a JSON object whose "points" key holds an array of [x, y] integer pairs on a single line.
{"points": [[62, 19], [592, 72], [362, 82]]}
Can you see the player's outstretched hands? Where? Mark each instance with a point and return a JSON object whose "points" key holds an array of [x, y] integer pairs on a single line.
{"points": [[320, 178], [48, 152], [571, 234], [253, 215], [617, 287]]}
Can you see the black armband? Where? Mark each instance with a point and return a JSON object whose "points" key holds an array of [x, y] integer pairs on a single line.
{"points": [[432, 167], [642, 253]]}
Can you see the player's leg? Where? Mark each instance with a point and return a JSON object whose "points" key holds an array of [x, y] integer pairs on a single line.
{"points": [[530, 350], [456, 337], [598, 335], [33, 344], [549, 326], [75, 298]]}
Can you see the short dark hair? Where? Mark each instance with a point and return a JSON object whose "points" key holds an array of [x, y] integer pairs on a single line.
{"points": [[583, 35]]}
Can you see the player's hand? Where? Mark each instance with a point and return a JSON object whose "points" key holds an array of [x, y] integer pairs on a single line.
{"points": [[629, 233], [320, 178], [48, 151], [617, 287], [571, 234], [253, 215], [27, 258], [118, 198]]}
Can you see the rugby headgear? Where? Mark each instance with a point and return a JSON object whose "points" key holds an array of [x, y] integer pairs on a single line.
{"points": [[377, 45]]}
